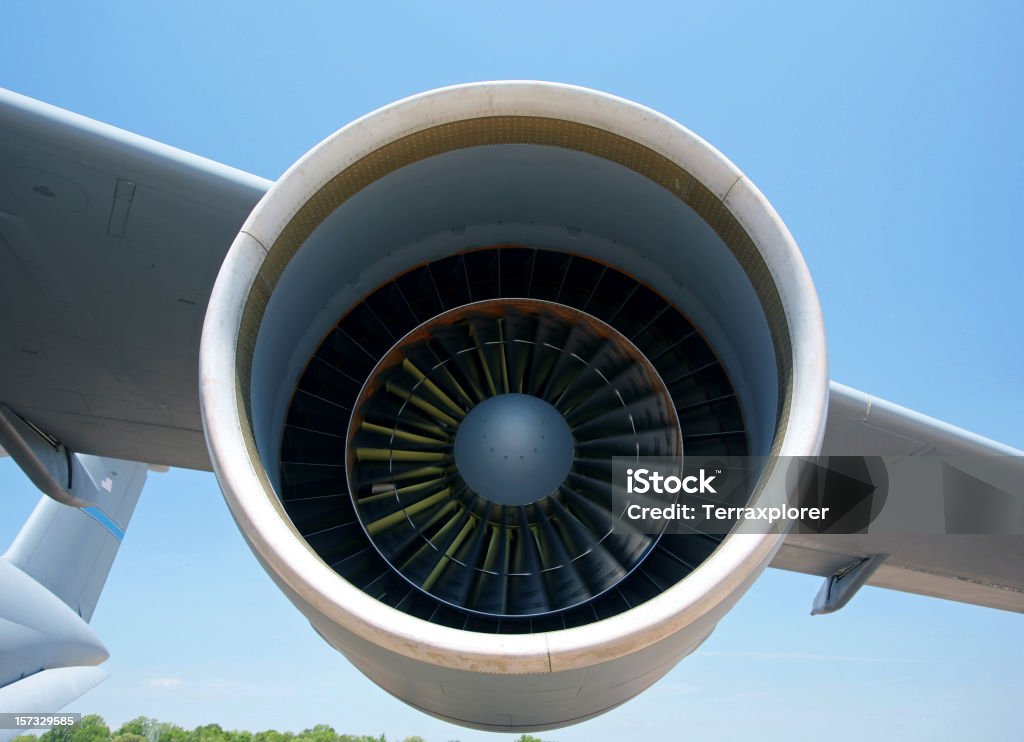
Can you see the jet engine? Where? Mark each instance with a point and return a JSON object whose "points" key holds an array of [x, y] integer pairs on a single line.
{"points": [[427, 343]]}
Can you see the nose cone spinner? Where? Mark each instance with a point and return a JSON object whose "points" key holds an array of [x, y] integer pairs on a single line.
{"points": [[514, 449]]}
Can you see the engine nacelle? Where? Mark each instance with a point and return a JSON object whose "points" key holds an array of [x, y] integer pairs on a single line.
{"points": [[429, 339]]}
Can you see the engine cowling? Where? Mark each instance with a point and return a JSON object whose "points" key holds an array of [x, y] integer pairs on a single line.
{"points": [[427, 342]]}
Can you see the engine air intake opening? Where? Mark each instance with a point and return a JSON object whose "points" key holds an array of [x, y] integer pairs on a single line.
{"points": [[448, 447]]}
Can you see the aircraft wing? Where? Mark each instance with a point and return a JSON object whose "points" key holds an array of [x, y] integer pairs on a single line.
{"points": [[109, 247], [939, 474]]}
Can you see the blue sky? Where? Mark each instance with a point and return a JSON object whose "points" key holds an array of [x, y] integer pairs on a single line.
{"points": [[887, 136]]}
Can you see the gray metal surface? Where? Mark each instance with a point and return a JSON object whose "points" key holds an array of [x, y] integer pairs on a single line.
{"points": [[535, 445], [38, 631], [49, 464], [50, 580], [69, 551], [109, 245], [984, 569]]}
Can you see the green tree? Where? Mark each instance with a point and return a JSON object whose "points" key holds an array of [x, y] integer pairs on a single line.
{"points": [[58, 734], [165, 732], [139, 725], [129, 737], [91, 728], [319, 733], [208, 733], [272, 735]]}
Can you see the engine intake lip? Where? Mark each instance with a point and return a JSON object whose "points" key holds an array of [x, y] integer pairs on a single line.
{"points": [[712, 186]]}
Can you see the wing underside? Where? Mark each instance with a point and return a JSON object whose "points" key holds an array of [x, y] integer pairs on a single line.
{"points": [[938, 473], [109, 246]]}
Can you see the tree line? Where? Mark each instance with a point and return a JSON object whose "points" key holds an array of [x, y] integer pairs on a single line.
{"points": [[93, 728]]}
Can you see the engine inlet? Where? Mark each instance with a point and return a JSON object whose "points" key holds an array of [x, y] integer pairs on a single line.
{"points": [[478, 449]]}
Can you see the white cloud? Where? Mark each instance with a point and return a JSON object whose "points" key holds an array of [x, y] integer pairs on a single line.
{"points": [[165, 682], [802, 656]]}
